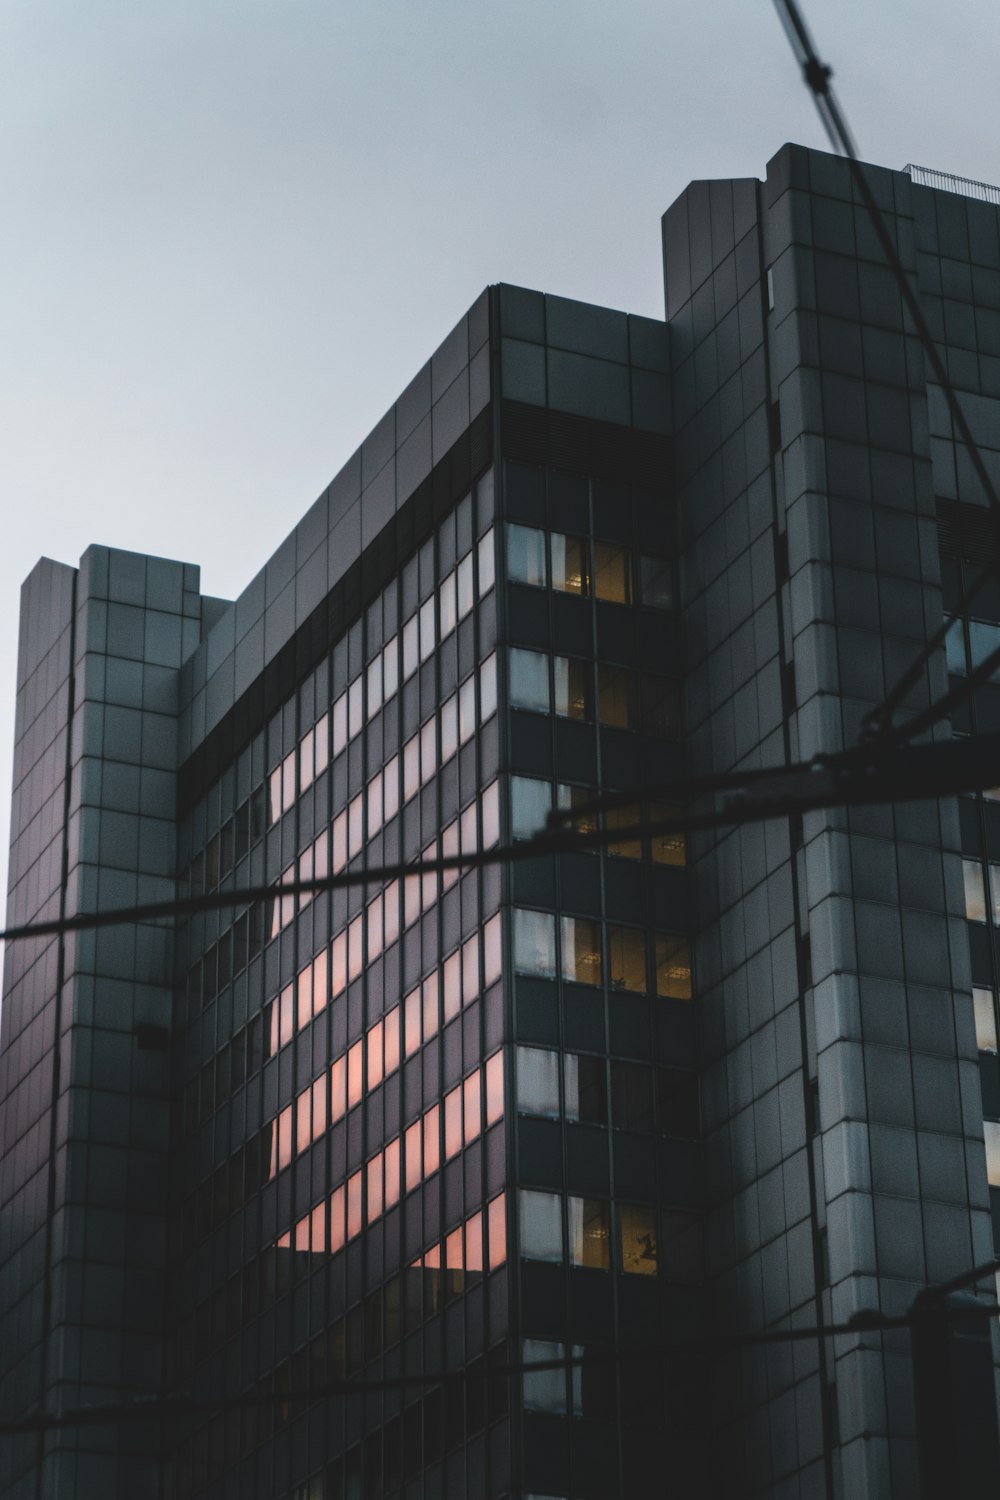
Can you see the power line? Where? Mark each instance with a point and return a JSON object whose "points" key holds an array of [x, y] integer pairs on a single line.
{"points": [[142, 1408], [817, 75], [870, 774]]}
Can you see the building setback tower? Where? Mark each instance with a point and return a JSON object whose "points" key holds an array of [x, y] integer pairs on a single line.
{"points": [[566, 1110]]}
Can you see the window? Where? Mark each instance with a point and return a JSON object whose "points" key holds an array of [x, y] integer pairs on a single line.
{"points": [[535, 943], [637, 1238], [623, 817], [529, 680], [975, 895], [526, 556], [673, 967], [632, 1096], [611, 573], [466, 597], [986, 1025], [581, 950], [616, 697], [666, 848], [530, 802], [538, 1082], [570, 797], [677, 1100], [991, 1131], [984, 639], [586, 1092], [954, 643], [541, 1225], [569, 564], [627, 959], [589, 1232], [660, 707], [544, 1390], [656, 582], [572, 688]]}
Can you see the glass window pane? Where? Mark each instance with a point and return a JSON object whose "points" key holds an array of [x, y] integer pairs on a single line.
{"points": [[526, 555], [535, 943], [544, 1390], [390, 668], [411, 647], [529, 680], [467, 710], [374, 685], [570, 797], [656, 582], [448, 597], [975, 896], [541, 1225], [637, 1230], [466, 598], [984, 639], [538, 1082], [677, 1101], [586, 1091], [661, 712], [627, 959], [632, 1096], [995, 891], [569, 564], [991, 1130], [428, 638], [571, 678], [486, 565], [673, 967], [954, 643], [616, 697], [666, 848], [589, 1232], [530, 803], [611, 573], [488, 688], [581, 950], [624, 817], [986, 1025]]}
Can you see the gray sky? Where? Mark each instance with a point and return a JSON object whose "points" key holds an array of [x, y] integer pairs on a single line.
{"points": [[234, 229]]}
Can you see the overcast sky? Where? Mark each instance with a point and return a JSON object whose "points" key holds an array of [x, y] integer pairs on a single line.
{"points": [[234, 229]]}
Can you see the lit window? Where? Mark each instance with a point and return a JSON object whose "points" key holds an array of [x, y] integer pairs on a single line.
{"points": [[530, 802], [637, 1231], [666, 848], [627, 959], [538, 1082], [529, 680], [572, 696], [541, 1225], [526, 555], [673, 967], [611, 573], [589, 1232], [535, 943], [581, 950], [623, 817], [569, 564]]}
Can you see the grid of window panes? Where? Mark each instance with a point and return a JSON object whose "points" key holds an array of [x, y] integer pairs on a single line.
{"points": [[969, 642], [341, 1179], [606, 1211]]}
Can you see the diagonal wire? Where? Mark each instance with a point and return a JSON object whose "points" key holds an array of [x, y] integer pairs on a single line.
{"points": [[817, 75], [863, 776]]}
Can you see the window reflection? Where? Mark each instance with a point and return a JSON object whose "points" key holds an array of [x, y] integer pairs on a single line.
{"points": [[569, 564], [616, 696], [571, 688], [586, 1089], [673, 967], [581, 950], [526, 555], [529, 680], [612, 579], [627, 958], [985, 1013], [535, 943]]}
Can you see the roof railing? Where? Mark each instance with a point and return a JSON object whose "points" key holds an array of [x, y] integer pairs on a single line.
{"points": [[985, 192]]}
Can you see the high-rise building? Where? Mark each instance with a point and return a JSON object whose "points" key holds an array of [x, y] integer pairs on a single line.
{"points": [[607, 1110]]}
